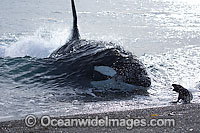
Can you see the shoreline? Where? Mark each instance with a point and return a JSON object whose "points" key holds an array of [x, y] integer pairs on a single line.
{"points": [[186, 116]]}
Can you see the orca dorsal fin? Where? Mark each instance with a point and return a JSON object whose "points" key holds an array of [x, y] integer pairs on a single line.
{"points": [[75, 31]]}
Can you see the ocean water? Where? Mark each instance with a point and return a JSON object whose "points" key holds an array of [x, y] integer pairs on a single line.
{"points": [[164, 34]]}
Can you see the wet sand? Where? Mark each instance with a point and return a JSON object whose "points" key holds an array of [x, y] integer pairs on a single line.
{"points": [[187, 119]]}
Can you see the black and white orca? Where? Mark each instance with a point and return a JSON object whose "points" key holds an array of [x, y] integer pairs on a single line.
{"points": [[103, 64]]}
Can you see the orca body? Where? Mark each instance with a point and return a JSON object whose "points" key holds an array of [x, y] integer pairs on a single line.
{"points": [[100, 64]]}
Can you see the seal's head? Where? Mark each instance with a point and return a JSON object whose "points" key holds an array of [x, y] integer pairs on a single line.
{"points": [[177, 87]]}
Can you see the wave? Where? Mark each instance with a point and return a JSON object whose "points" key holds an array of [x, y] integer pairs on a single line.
{"points": [[39, 45]]}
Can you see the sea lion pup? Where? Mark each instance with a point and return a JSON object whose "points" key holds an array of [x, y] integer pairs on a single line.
{"points": [[184, 94]]}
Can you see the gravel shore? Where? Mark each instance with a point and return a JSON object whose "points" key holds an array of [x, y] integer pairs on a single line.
{"points": [[186, 116]]}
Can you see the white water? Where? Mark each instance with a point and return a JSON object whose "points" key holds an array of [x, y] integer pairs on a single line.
{"points": [[40, 44]]}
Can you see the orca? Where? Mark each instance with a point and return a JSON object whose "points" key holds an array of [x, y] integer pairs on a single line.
{"points": [[101, 64]]}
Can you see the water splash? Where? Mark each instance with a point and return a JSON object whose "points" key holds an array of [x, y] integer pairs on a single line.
{"points": [[179, 66], [40, 44]]}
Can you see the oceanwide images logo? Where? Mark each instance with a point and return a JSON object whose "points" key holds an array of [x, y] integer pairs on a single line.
{"points": [[129, 123]]}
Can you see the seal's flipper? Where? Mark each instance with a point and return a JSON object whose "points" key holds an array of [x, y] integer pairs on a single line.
{"points": [[75, 31]]}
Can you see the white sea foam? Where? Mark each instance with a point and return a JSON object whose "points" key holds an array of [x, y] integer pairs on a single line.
{"points": [[177, 66], [40, 44]]}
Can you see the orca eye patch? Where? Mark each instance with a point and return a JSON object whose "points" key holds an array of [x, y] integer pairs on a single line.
{"points": [[105, 70]]}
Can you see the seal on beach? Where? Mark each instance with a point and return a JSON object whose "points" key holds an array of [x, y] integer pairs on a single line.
{"points": [[184, 94], [102, 64]]}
